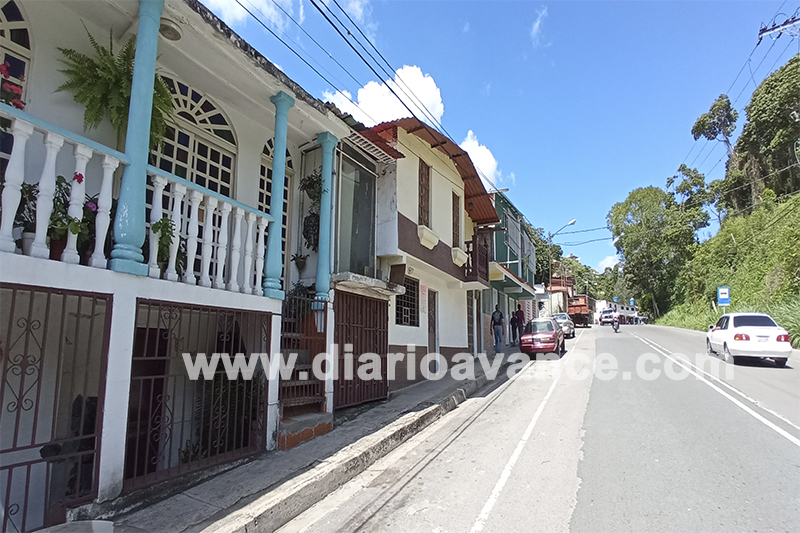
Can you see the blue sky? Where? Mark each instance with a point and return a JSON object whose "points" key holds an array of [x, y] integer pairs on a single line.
{"points": [[570, 105]]}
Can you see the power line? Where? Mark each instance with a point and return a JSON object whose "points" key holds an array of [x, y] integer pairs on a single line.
{"points": [[583, 230]]}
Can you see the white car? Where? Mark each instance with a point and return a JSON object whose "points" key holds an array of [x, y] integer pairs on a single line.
{"points": [[739, 335], [566, 323]]}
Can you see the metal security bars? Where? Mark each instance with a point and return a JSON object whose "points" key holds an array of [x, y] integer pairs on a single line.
{"points": [[175, 424], [424, 194], [407, 305], [53, 354], [303, 323]]}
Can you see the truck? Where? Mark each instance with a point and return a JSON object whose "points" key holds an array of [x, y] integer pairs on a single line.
{"points": [[580, 308]]}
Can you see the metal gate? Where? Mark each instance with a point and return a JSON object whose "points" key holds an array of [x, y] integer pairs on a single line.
{"points": [[53, 354], [176, 424], [303, 322], [364, 323]]}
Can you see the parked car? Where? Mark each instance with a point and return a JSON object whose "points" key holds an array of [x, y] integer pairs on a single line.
{"points": [[743, 335], [566, 323], [543, 335], [606, 317]]}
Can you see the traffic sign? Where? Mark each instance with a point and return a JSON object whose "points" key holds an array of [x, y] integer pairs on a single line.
{"points": [[723, 296]]}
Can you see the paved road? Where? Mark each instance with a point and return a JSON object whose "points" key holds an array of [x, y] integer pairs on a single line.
{"points": [[587, 443]]}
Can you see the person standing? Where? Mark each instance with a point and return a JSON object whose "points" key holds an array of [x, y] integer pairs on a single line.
{"points": [[512, 322], [520, 316], [497, 327]]}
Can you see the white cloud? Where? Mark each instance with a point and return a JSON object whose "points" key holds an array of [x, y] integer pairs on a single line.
{"points": [[608, 262], [377, 104], [465, 28], [483, 159], [536, 29], [234, 15]]}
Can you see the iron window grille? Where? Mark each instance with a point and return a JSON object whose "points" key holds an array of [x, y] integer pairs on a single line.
{"points": [[407, 305]]}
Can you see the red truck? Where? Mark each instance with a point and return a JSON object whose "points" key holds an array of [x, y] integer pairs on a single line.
{"points": [[580, 309]]}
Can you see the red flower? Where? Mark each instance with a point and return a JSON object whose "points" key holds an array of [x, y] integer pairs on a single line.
{"points": [[4, 70], [12, 87], [19, 104], [78, 177]]}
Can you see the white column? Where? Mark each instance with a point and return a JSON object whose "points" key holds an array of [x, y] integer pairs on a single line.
{"points": [[103, 218], [222, 248], [195, 197], [115, 403], [249, 238], [15, 176], [44, 201], [156, 213], [273, 407], [262, 227], [233, 278], [77, 194], [178, 192], [208, 241]]}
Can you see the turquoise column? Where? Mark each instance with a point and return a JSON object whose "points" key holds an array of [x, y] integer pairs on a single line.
{"points": [[129, 223], [323, 282], [274, 263]]}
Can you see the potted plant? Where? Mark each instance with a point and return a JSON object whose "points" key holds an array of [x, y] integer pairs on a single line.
{"points": [[300, 261], [26, 217], [166, 234], [311, 184], [102, 84]]}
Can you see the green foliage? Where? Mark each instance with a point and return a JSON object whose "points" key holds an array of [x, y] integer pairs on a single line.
{"points": [[102, 84], [311, 184], [539, 239], [758, 256], [718, 123]]}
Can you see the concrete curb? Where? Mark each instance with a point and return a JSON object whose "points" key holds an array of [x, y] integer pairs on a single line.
{"points": [[284, 503]]}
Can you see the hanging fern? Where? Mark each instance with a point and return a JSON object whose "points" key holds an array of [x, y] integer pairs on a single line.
{"points": [[102, 84]]}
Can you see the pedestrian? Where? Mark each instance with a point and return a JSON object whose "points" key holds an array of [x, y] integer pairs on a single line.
{"points": [[497, 327], [513, 323], [520, 316]]}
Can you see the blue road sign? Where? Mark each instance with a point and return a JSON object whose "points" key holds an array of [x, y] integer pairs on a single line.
{"points": [[723, 296]]}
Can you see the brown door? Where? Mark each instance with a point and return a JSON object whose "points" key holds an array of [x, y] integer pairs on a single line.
{"points": [[432, 321]]}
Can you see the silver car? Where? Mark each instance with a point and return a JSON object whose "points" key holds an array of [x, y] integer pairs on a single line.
{"points": [[566, 323]]}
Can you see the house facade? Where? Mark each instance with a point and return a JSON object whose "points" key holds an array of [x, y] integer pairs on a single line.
{"points": [[184, 248], [432, 238], [512, 268]]}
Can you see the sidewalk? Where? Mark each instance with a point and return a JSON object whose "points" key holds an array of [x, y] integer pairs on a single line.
{"points": [[266, 493]]}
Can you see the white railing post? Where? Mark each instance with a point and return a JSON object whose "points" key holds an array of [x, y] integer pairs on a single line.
{"points": [[178, 192], [47, 188], [258, 290], [222, 245], [208, 241], [77, 194], [233, 277], [103, 218], [156, 213], [15, 176], [195, 197], [249, 237]]}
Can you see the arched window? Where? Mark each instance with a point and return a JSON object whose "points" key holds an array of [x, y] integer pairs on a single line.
{"points": [[265, 194], [15, 49], [201, 146]]}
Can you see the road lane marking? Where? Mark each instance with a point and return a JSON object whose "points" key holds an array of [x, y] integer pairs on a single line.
{"points": [[733, 389], [498, 488], [791, 438]]}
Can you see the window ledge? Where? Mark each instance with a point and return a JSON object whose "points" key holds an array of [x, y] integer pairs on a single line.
{"points": [[459, 256], [427, 237]]}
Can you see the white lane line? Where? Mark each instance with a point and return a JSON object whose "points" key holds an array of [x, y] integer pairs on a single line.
{"points": [[782, 432], [732, 388], [498, 488]]}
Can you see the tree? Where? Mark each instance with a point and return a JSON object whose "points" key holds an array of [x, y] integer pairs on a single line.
{"points": [[655, 238], [691, 196], [767, 143], [539, 239], [718, 124]]}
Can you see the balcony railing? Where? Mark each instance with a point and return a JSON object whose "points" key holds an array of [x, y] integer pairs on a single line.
{"points": [[216, 241], [477, 265]]}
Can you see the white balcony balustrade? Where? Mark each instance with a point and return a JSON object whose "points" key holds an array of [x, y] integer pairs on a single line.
{"points": [[214, 241]]}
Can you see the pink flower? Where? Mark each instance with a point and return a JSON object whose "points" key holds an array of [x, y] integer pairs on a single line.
{"points": [[4, 69], [19, 104], [12, 87], [92, 206], [78, 177]]}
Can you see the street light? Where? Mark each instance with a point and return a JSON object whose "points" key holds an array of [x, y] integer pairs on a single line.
{"points": [[550, 249]]}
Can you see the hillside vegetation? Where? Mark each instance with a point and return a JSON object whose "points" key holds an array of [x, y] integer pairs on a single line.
{"points": [[758, 256]]}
